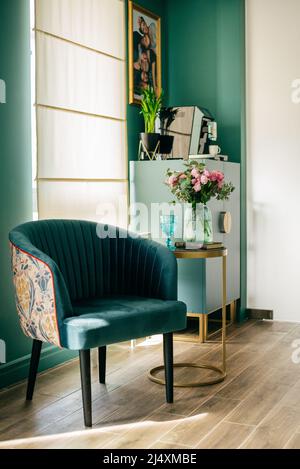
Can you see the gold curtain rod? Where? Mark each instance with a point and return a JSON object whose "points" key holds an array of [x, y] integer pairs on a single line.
{"points": [[74, 43], [74, 111], [80, 180]]}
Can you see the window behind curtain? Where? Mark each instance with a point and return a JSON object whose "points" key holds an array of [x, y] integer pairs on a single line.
{"points": [[80, 109]]}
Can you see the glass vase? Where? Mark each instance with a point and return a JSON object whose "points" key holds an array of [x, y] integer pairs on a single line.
{"points": [[208, 228], [193, 226]]}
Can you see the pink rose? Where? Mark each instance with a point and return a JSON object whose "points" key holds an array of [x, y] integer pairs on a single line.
{"points": [[220, 176], [195, 173], [220, 184], [204, 179], [216, 176], [213, 176], [197, 187], [172, 181], [182, 176], [206, 173], [194, 181]]}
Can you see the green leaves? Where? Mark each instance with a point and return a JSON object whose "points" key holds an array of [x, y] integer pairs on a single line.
{"points": [[225, 192], [150, 107], [195, 164], [185, 183]]}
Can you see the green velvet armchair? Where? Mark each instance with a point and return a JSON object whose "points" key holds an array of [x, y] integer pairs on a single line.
{"points": [[80, 285]]}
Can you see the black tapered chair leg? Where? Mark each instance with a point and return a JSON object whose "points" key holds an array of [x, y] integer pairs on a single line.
{"points": [[168, 362], [102, 364], [34, 364], [85, 373]]}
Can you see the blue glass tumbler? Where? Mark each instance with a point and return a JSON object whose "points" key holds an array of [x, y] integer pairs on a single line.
{"points": [[168, 226]]}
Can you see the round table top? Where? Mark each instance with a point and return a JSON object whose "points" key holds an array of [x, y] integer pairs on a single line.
{"points": [[200, 253]]}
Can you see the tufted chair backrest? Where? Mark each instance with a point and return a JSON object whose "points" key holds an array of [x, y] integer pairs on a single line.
{"points": [[94, 267]]}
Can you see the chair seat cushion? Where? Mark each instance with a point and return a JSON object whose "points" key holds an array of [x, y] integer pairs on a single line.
{"points": [[99, 322]]}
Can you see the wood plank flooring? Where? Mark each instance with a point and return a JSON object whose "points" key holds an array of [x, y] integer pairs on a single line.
{"points": [[257, 406]]}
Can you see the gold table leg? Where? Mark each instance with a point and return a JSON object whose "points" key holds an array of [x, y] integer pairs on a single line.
{"points": [[233, 312], [201, 328], [205, 327], [203, 331], [224, 288]]}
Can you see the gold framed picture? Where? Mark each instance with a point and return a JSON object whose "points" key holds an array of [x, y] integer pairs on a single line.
{"points": [[144, 36]]}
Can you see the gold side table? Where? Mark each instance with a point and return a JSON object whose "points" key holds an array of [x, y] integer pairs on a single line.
{"points": [[221, 371]]}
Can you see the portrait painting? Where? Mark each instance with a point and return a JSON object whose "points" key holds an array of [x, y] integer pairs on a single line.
{"points": [[144, 32]]}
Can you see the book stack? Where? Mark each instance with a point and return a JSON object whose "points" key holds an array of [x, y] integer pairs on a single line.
{"points": [[213, 245], [186, 245]]}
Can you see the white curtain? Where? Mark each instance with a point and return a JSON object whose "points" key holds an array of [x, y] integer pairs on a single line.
{"points": [[81, 110]]}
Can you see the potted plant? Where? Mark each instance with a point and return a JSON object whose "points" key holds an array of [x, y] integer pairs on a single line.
{"points": [[195, 187], [150, 107], [167, 116]]}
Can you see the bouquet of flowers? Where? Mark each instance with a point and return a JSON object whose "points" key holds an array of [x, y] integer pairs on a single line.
{"points": [[198, 185]]}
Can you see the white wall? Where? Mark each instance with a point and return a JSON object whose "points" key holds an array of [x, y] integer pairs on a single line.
{"points": [[273, 64]]}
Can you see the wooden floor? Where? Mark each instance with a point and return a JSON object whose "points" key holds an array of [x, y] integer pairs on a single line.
{"points": [[257, 406]]}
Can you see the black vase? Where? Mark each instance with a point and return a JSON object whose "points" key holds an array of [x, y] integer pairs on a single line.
{"points": [[166, 144], [150, 141]]}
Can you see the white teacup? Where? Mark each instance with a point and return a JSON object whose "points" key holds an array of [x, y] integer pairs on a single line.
{"points": [[214, 150]]}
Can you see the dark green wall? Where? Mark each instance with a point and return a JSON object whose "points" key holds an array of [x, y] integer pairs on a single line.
{"points": [[230, 75], [204, 41], [15, 179], [134, 120], [15, 150], [191, 44]]}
